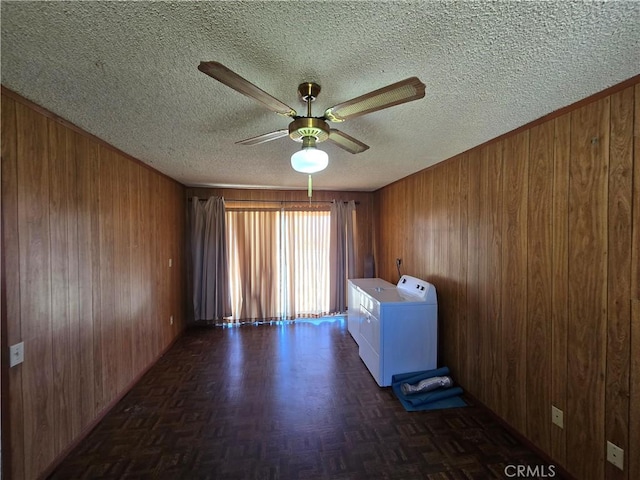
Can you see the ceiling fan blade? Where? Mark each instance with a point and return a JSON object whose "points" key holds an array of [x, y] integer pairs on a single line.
{"points": [[266, 137], [395, 94], [231, 79], [346, 142]]}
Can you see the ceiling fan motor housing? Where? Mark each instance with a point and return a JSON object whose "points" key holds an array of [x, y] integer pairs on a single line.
{"points": [[309, 127]]}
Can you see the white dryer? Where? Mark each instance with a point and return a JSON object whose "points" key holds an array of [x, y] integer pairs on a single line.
{"points": [[398, 327]]}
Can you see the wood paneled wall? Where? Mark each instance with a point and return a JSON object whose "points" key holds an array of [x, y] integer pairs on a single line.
{"points": [[364, 209], [532, 243], [87, 238]]}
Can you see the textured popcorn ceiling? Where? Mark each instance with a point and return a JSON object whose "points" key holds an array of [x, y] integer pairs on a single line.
{"points": [[127, 73]]}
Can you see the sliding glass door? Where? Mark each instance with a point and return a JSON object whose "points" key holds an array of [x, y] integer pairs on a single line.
{"points": [[278, 263]]}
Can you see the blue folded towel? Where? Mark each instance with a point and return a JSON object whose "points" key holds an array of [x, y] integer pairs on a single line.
{"points": [[434, 398], [441, 393], [415, 377]]}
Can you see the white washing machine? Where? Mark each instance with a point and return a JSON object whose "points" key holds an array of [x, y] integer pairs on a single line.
{"points": [[357, 287], [398, 327]]}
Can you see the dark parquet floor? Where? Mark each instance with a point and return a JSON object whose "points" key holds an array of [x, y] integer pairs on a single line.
{"points": [[283, 402]]}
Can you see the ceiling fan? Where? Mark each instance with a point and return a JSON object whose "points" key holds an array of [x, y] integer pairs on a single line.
{"points": [[312, 130]]}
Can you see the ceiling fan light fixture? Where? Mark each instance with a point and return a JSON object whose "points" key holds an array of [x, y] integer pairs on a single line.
{"points": [[309, 159]]}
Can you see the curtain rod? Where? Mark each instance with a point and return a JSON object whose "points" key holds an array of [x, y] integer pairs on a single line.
{"points": [[357, 202]]}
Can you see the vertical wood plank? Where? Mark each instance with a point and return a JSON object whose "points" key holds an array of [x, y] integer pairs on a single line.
{"points": [[635, 245], [122, 271], [182, 254], [436, 222], [100, 316], [35, 289], [377, 227], [400, 234], [174, 288], [162, 266], [154, 326], [146, 186], [108, 361], [514, 280], [560, 280], [380, 227], [176, 281], [439, 255], [409, 218], [588, 195], [426, 219], [61, 342], [463, 300], [10, 229], [491, 274], [391, 246], [165, 274], [136, 273], [73, 266], [392, 235], [619, 274], [540, 274], [179, 250], [383, 237], [634, 367], [397, 234], [452, 268], [87, 164], [484, 292], [494, 314], [473, 275]]}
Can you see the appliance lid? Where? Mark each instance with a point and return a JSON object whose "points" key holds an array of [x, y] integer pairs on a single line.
{"points": [[364, 283]]}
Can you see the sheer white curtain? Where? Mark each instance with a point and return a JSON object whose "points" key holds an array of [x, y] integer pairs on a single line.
{"points": [[209, 269], [342, 257], [279, 262], [305, 263]]}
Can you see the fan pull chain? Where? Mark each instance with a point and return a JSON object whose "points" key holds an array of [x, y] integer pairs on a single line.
{"points": [[309, 190]]}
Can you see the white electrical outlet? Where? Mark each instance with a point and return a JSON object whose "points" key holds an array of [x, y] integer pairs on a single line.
{"points": [[16, 354], [615, 455], [170, 262], [557, 416]]}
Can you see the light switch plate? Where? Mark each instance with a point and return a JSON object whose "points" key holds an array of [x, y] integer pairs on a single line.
{"points": [[16, 354]]}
